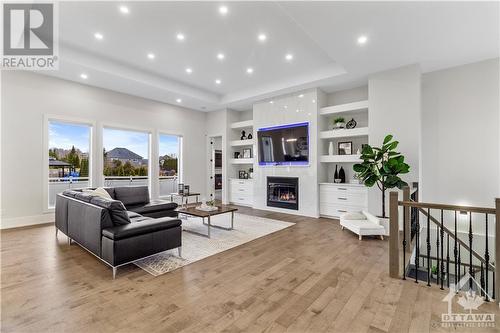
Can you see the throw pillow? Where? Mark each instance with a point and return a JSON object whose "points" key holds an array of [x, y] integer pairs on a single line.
{"points": [[101, 192]]}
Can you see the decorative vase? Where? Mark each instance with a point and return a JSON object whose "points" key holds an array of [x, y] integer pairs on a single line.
{"points": [[330, 148], [336, 174], [243, 135], [342, 175]]}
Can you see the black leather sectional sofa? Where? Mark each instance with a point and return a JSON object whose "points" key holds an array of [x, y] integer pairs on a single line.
{"points": [[120, 230]]}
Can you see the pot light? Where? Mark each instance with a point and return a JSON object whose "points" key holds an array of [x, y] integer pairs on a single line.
{"points": [[285, 106], [271, 102], [249, 70], [217, 81], [362, 40], [98, 36], [223, 10], [178, 100], [151, 56], [180, 36], [220, 56], [84, 76], [301, 95], [262, 37], [124, 10], [289, 57], [189, 70]]}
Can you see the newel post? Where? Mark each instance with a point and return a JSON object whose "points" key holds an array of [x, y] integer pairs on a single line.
{"points": [[497, 250], [393, 235], [407, 220]]}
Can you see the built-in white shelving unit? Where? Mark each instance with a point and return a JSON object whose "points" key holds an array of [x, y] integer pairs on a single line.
{"points": [[241, 190], [340, 158]]}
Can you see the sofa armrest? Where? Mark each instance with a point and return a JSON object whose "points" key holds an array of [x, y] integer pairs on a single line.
{"points": [[140, 228], [371, 218]]}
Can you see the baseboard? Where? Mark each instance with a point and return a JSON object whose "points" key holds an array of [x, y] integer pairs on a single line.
{"points": [[24, 221]]}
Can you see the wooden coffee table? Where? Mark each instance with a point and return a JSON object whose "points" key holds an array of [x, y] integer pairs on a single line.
{"points": [[221, 209]]}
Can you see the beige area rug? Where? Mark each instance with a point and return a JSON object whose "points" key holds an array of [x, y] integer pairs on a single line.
{"points": [[194, 247]]}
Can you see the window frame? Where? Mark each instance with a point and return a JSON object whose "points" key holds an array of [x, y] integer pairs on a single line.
{"points": [[47, 118], [180, 159]]}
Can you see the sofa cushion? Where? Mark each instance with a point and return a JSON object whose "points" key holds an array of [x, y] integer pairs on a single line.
{"points": [[153, 206], [119, 214], [132, 195], [85, 196], [140, 228], [98, 192], [132, 214]]}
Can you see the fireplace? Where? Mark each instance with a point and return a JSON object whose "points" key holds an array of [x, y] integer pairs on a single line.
{"points": [[283, 192]]}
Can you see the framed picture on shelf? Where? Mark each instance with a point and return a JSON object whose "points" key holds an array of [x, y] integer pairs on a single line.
{"points": [[247, 153], [345, 148]]}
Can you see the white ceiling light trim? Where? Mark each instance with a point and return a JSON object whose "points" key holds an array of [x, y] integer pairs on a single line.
{"points": [[180, 36], [178, 100], [221, 56], [124, 10], [249, 70], [151, 56], [189, 70], [218, 81], [98, 36], [223, 10], [362, 40], [84, 76], [289, 57], [262, 37]]}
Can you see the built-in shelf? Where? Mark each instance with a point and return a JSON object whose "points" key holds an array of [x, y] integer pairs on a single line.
{"points": [[239, 143], [340, 158], [344, 108], [344, 133], [241, 160], [242, 124]]}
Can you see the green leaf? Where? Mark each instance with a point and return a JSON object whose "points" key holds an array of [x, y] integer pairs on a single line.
{"points": [[387, 138]]}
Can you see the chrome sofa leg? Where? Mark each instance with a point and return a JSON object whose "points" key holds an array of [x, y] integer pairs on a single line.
{"points": [[179, 249], [57, 230], [114, 272], [69, 241]]}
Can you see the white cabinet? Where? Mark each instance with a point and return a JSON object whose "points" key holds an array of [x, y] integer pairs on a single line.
{"points": [[335, 199], [241, 192]]}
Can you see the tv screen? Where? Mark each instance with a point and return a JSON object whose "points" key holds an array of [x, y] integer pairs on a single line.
{"points": [[284, 145]]}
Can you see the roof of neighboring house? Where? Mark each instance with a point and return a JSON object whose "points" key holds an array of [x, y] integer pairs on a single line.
{"points": [[56, 163], [123, 154]]}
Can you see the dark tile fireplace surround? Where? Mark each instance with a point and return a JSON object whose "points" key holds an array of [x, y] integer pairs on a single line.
{"points": [[283, 192]]}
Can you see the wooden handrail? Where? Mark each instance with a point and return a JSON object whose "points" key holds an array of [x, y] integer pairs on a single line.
{"points": [[469, 209], [458, 240]]}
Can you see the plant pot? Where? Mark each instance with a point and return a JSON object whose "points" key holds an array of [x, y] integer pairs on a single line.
{"points": [[339, 125]]}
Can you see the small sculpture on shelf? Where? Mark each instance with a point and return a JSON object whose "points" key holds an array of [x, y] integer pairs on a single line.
{"points": [[336, 177], [243, 135], [338, 123], [250, 136], [351, 124], [236, 154]]}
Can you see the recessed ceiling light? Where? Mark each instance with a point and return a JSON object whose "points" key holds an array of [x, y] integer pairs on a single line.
{"points": [[124, 9], [220, 56], [289, 57], [223, 10], [84, 76], [180, 36], [249, 70], [151, 56], [301, 95], [362, 40], [98, 36], [271, 102], [178, 100], [297, 110], [314, 101], [262, 37], [217, 81], [189, 70], [285, 106]]}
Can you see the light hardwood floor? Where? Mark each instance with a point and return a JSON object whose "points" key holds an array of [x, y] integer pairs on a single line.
{"points": [[311, 277]]}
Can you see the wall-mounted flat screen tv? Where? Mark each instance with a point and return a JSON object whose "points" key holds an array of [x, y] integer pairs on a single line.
{"points": [[284, 145]]}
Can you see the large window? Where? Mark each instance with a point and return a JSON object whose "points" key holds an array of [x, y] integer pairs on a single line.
{"points": [[169, 159], [126, 157], [69, 157]]}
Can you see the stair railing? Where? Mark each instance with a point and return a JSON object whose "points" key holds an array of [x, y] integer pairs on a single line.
{"points": [[449, 248]]}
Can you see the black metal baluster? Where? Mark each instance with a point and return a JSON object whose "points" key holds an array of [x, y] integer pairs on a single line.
{"points": [[437, 255], [459, 266], [487, 259], [471, 271], [428, 247], [455, 252], [493, 296], [482, 280], [417, 248], [448, 261], [442, 255], [404, 242]]}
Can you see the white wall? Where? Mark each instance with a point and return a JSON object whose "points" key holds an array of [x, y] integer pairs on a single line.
{"points": [[460, 135], [394, 108], [26, 97], [266, 114]]}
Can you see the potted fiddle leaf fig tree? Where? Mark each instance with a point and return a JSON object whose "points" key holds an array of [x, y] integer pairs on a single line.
{"points": [[382, 166]]}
